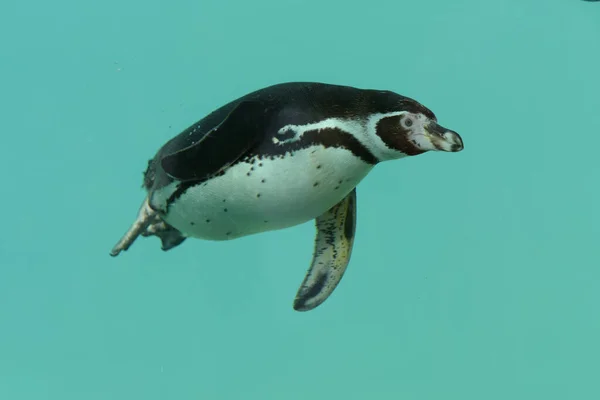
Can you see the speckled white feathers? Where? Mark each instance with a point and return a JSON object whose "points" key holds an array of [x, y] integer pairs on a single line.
{"points": [[268, 194]]}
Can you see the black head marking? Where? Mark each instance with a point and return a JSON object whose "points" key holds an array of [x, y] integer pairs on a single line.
{"points": [[395, 136]]}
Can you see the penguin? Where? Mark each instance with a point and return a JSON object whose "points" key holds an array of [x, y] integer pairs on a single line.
{"points": [[278, 157]]}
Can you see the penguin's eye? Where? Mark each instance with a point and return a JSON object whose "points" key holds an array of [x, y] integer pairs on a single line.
{"points": [[408, 122]]}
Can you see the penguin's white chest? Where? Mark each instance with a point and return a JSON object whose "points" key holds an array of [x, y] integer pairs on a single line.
{"points": [[265, 194]]}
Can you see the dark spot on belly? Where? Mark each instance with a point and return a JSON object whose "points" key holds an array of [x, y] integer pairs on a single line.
{"points": [[251, 168], [260, 164], [225, 210], [316, 184], [262, 181], [266, 221], [192, 223], [340, 181], [224, 200], [227, 233], [207, 221], [336, 188], [318, 167], [248, 173], [257, 194]]}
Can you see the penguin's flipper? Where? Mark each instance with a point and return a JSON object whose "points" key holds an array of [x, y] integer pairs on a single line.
{"points": [[243, 128], [333, 247]]}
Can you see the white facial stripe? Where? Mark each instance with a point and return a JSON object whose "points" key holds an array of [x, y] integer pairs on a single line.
{"points": [[349, 126], [364, 131]]}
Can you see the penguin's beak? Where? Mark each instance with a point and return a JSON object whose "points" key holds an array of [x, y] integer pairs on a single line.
{"points": [[443, 139]]}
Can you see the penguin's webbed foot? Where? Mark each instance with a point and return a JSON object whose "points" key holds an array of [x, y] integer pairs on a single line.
{"points": [[169, 236], [149, 223]]}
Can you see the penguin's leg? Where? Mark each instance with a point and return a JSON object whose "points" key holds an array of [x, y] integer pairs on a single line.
{"points": [[333, 247], [149, 223], [146, 216]]}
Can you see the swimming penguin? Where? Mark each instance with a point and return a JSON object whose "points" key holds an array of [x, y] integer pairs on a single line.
{"points": [[279, 157]]}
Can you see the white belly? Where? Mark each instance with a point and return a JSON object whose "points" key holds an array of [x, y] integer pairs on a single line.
{"points": [[266, 195]]}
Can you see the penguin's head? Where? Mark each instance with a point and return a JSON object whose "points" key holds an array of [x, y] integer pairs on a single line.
{"points": [[413, 129]]}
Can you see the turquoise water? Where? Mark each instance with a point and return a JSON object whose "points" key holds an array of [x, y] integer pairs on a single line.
{"points": [[474, 275]]}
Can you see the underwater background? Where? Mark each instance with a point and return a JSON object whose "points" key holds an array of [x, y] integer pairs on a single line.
{"points": [[474, 275]]}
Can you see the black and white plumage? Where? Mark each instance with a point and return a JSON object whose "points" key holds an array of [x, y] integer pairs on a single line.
{"points": [[279, 157]]}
